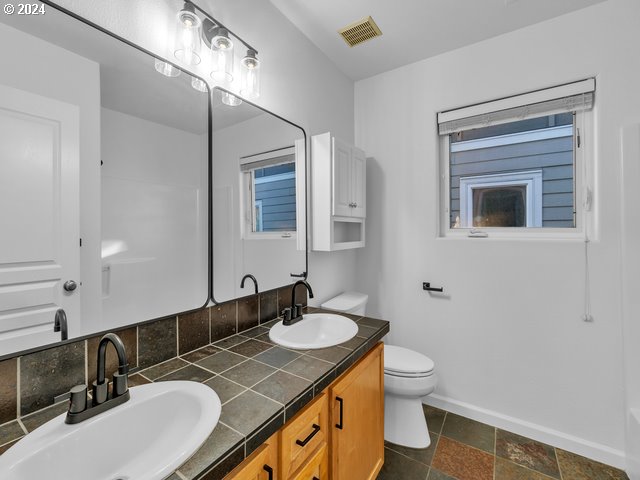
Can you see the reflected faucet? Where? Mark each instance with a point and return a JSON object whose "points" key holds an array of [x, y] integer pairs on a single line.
{"points": [[293, 314], [255, 282], [79, 409]]}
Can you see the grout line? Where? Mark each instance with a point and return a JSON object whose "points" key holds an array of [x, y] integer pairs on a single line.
{"points": [[24, 429], [177, 337], [145, 377], [235, 396], [555, 451], [209, 320], [18, 387], [181, 476], [495, 451], [233, 429]]}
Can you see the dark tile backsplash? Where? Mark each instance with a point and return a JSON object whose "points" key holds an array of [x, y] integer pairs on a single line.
{"points": [[49, 373], [224, 320], [247, 313], [8, 392], [193, 330], [268, 305], [157, 342]]}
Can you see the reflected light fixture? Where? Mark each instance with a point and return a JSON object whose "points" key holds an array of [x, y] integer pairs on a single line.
{"points": [[198, 84], [250, 83], [229, 99], [222, 56], [188, 33], [166, 69]]}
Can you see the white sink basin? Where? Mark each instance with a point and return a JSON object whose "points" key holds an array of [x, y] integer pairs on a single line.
{"points": [[315, 330], [145, 438]]}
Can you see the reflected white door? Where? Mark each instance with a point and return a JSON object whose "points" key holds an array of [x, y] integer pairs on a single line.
{"points": [[342, 200], [39, 217]]}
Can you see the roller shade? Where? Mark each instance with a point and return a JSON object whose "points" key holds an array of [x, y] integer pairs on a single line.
{"points": [[571, 97], [268, 159]]}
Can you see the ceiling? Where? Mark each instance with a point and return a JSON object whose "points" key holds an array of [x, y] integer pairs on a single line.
{"points": [[413, 29]]}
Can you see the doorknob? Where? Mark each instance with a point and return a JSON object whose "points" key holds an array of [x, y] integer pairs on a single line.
{"points": [[70, 285]]}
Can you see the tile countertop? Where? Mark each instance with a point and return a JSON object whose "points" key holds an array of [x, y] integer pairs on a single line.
{"points": [[261, 386]]}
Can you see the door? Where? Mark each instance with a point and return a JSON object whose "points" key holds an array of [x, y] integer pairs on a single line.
{"points": [[341, 181], [358, 183], [39, 217], [357, 419]]}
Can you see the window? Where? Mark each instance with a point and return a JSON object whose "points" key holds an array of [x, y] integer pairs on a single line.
{"points": [[516, 163], [270, 192]]}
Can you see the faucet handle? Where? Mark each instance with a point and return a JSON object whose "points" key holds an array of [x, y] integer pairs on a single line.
{"points": [[100, 392], [120, 384], [297, 311], [78, 399], [286, 315]]}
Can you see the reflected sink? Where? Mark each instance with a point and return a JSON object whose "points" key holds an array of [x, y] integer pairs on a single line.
{"points": [[315, 330], [146, 438]]}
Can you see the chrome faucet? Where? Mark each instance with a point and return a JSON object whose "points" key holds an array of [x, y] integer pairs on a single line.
{"points": [[79, 408], [253, 279], [293, 314]]}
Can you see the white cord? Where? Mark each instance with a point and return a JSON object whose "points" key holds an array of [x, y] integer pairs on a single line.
{"points": [[587, 317]]}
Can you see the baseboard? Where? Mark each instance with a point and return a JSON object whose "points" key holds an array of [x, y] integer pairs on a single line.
{"points": [[586, 448]]}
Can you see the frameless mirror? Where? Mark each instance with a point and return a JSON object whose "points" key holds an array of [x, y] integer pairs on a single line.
{"points": [[104, 193], [259, 199]]}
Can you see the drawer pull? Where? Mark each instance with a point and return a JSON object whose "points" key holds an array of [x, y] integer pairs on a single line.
{"points": [[269, 470], [316, 478], [340, 424], [316, 429]]}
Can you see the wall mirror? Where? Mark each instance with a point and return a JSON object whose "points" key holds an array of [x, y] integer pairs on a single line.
{"points": [[104, 192], [259, 199]]}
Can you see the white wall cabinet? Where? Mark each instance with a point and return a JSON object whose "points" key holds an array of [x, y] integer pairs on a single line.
{"points": [[338, 194]]}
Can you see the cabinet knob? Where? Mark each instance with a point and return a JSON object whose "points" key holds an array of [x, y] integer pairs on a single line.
{"points": [[70, 285]]}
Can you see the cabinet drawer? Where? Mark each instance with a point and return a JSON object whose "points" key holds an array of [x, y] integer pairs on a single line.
{"points": [[303, 435], [260, 465], [317, 468]]}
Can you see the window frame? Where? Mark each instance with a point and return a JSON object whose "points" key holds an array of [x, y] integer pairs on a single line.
{"points": [[583, 168]]}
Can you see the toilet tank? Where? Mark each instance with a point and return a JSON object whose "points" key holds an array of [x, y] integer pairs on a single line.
{"points": [[354, 303]]}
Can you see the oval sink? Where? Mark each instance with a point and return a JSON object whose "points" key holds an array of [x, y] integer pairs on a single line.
{"points": [[315, 330], [146, 438]]}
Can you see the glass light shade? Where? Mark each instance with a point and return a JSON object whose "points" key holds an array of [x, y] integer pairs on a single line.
{"points": [[250, 82], [222, 57], [198, 84], [188, 32], [229, 99], [166, 69]]}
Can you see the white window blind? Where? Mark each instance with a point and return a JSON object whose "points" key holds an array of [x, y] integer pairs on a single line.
{"points": [[572, 97], [268, 159]]}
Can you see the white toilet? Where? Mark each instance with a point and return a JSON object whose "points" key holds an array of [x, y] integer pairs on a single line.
{"points": [[408, 376]]}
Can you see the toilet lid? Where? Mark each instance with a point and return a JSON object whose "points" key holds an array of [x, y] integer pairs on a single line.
{"points": [[404, 361], [346, 301]]}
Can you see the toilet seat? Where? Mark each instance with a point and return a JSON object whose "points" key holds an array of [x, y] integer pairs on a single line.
{"points": [[402, 362]]}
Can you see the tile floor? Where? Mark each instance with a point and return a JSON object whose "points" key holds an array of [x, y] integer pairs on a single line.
{"points": [[463, 449]]}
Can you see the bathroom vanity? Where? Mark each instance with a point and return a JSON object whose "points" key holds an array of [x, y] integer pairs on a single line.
{"points": [[337, 435]]}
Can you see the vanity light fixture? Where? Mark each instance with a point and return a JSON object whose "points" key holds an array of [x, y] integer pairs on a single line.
{"points": [[250, 84], [188, 33], [222, 56], [230, 99], [166, 69], [195, 26], [198, 84]]}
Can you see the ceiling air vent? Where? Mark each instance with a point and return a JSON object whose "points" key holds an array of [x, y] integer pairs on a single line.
{"points": [[360, 31]]}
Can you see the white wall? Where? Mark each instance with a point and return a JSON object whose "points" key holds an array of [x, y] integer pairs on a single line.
{"points": [[507, 338], [76, 81], [269, 260], [154, 213], [299, 82]]}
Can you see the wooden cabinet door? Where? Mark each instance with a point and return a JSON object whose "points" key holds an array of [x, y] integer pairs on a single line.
{"points": [[260, 465], [341, 181], [358, 183], [357, 420]]}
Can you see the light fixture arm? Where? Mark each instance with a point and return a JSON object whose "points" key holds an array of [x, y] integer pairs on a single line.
{"points": [[210, 27]]}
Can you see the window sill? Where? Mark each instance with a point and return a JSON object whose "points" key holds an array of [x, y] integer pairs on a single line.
{"points": [[532, 234]]}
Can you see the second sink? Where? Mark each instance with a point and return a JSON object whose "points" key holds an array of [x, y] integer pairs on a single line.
{"points": [[315, 330]]}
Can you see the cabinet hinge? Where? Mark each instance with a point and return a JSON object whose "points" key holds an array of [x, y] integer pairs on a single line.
{"points": [[80, 242]]}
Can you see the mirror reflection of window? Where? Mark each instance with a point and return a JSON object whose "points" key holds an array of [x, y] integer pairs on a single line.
{"points": [[270, 191]]}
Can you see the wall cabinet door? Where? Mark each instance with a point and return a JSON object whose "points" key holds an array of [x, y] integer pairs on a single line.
{"points": [[342, 167], [349, 180], [357, 419], [358, 183]]}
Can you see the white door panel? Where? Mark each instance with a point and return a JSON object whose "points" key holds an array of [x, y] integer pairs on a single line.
{"points": [[341, 178], [359, 182], [39, 217]]}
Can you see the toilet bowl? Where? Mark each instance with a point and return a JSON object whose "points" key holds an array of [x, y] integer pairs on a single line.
{"points": [[408, 376]]}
